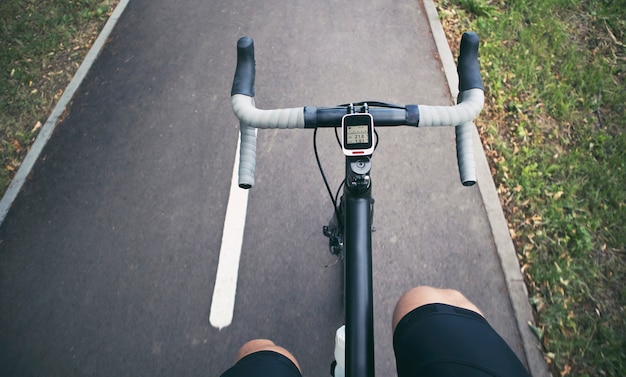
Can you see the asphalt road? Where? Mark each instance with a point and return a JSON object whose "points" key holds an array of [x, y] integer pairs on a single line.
{"points": [[108, 256]]}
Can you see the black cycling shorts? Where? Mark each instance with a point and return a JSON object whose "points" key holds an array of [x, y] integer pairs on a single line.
{"points": [[443, 340], [264, 364], [432, 340]]}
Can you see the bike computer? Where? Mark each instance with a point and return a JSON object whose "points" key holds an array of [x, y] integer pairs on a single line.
{"points": [[357, 132]]}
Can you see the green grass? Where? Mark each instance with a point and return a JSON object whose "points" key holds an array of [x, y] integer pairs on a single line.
{"points": [[43, 43], [553, 128], [554, 72]]}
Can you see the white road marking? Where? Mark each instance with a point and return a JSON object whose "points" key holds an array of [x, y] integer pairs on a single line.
{"points": [[225, 290]]}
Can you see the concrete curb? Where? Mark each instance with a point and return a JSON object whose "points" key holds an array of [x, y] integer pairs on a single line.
{"points": [[499, 229], [46, 131], [502, 240]]}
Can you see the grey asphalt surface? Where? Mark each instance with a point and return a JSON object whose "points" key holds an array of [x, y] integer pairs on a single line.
{"points": [[109, 253]]}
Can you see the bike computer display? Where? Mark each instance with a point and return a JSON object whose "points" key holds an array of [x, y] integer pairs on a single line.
{"points": [[357, 132]]}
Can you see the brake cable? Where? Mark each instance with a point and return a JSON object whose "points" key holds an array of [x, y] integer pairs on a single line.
{"points": [[333, 198], [319, 164]]}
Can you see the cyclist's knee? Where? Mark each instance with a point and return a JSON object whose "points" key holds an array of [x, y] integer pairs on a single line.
{"points": [[424, 295], [257, 345]]}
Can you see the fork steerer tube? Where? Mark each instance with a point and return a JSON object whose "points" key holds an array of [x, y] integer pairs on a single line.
{"points": [[359, 297]]}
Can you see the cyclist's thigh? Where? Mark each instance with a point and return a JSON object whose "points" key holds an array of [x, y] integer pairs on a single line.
{"points": [[445, 340], [262, 364]]}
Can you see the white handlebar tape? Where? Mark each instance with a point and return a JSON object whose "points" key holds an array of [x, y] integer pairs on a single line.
{"points": [[469, 106], [465, 153], [433, 116], [247, 156], [244, 109], [250, 119]]}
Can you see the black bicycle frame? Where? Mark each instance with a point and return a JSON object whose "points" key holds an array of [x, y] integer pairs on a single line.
{"points": [[357, 212], [357, 204]]}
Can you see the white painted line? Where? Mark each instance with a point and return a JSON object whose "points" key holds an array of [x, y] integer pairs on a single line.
{"points": [[46, 131], [225, 290]]}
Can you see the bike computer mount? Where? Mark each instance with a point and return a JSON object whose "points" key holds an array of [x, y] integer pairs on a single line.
{"points": [[358, 144], [357, 132]]}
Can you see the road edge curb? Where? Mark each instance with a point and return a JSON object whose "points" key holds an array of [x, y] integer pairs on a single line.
{"points": [[515, 284], [47, 129]]}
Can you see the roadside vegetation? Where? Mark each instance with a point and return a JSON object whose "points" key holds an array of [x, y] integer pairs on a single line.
{"points": [[553, 129], [43, 43]]}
